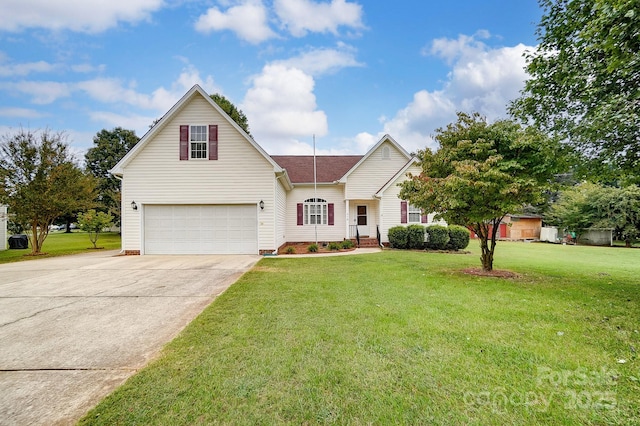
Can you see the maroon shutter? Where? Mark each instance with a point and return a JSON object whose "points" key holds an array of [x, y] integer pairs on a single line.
{"points": [[300, 214], [424, 218], [213, 142], [403, 212], [330, 213], [184, 142]]}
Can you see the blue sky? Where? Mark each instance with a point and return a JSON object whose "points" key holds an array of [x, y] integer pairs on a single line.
{"points": [[346, 71]]}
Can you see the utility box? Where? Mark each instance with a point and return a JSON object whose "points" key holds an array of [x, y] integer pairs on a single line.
{"points": [[19, 242]]}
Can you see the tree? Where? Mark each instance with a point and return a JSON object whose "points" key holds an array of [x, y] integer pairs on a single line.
{"points": [[109, 146], [585, 79], [236, 114], [589, 205], [94, 222], [480, 173], [41, 181]]}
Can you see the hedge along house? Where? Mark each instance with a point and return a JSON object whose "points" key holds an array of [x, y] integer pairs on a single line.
{"points": [[196, 183]]}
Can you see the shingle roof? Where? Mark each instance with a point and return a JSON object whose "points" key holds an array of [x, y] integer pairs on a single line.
{"points": [[329, 168]]}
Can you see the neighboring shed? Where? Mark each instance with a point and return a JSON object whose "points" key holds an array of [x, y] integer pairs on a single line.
{"points": [[522, 227]]}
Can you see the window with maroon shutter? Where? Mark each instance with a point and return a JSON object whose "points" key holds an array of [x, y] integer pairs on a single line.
{"points": [[300, 214], [213, 142], [424, 218], [403, 212], [184, 142], [330, 214]]}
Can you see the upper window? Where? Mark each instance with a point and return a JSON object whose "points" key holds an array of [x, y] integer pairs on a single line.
{"points": [[315, 211], [198, 142], [414, 213]]}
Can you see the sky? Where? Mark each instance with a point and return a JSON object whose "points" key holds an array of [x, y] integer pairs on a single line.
{"points": [[345, 71]]}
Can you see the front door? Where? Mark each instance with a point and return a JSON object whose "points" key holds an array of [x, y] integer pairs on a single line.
{"points": [[362, 221]]}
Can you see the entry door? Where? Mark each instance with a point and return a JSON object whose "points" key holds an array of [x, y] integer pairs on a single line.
{"points": [[362, 221]]}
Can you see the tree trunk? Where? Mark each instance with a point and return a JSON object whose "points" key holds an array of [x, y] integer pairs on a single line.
{"points": [[487, 233]]}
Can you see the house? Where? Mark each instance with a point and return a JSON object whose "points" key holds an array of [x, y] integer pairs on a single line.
{"points": [[3, 227], [197, 183]]}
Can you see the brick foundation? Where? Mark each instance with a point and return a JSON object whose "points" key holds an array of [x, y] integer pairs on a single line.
{"points": [[263, 252], [132, 252]]}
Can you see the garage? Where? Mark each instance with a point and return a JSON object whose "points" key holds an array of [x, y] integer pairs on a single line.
{"points": [[200, 229]]}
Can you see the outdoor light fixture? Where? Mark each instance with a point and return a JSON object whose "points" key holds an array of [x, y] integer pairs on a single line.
{"points": [[134, 205], [261, 205]]}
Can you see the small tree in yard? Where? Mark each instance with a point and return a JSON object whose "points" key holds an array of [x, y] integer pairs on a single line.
{"points": [[41, 182], [94, 222], [480, 173]]}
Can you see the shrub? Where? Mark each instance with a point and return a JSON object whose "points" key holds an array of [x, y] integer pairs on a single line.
{"points": [[415, 237], [347, 244], [458, 237], [312, 248], [290, 250], [438, 237], [398, 237], [334, 246]]}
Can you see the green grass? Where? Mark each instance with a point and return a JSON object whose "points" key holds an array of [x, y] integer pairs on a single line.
{"points": [[61, 244], [405, 338]]}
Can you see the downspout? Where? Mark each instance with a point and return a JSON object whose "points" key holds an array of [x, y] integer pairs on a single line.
{"points": [[121, 213]]}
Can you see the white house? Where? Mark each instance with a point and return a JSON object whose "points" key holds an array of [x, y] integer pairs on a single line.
{"points": [[197, 183], [3, 227]]}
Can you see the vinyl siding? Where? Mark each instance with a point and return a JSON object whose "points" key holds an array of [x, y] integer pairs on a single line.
{"points": [[390, 207], [3, 228], [281, 214], [156, 175], [374, 173], [333, 194]]}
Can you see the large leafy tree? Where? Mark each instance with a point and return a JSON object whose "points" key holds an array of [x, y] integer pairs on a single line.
{"points": [[232, 111], [41, 181], [109, 146], [589, 205], [585, 79], [480, 173]]}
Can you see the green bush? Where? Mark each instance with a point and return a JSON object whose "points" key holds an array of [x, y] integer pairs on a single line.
{"points": [[398, 237], [415, 237], [438, 237], [312, 248], [458, 237], [347, 244], [290, 250], [334, 246]]}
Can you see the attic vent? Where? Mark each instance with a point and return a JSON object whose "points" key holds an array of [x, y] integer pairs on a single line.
{"points": [[385, 153]]}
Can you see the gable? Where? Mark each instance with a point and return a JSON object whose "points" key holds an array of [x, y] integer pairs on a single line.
{"points": [[373, 172], [194, 108]]}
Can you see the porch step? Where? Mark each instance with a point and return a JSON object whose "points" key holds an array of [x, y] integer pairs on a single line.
{"points": [[366, 242]]}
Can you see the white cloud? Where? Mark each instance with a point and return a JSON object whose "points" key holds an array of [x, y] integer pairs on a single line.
{"points": [[281, 108], [11, 70], [91, 16], [302, 16], [139, 123], [481, 79], [41, 92], [248, 20], [323, 61], [20, 113]]}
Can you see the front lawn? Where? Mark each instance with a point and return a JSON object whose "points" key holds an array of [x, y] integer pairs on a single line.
{"points": [[59, 243], [405, 338]]}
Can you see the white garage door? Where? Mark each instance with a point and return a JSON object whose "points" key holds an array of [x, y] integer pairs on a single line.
{"points": [[200, 229]]}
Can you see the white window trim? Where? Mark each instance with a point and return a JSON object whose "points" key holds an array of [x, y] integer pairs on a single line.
{"points": [[206, 142], [324, 211], [413, 210]]}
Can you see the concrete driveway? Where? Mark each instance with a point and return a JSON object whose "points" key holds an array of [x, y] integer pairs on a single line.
{"points": [[74, 328]]}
